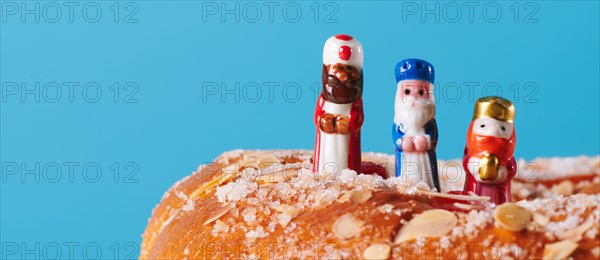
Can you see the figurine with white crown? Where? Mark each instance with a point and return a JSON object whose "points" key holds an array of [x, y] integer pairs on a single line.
{"points": [[488, 160], [415, 131], [339, 111]]}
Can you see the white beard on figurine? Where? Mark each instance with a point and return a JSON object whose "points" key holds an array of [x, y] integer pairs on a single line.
{"points": [[412, 112]]}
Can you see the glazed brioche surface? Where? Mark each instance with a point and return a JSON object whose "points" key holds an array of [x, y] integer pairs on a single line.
{"points": [[269, 205]]}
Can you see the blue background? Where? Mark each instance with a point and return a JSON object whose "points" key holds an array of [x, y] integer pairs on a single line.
{"points": [[174, 52]]}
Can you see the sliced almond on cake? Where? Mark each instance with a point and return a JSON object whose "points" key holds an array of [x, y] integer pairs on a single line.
{"points": [[219, 212], [224, 175], [268, 161], [577, 233], [260, 160], [559, 250], [377, 251], [540, 219], [463, 206], [596, 251], [511, 217], [431, 223], [345, 196], [455, 196], [288, 210], [278, 176], [361, 196], [565, 188], [347, 226]]}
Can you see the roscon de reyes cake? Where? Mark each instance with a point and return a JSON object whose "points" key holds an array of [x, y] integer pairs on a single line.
{"points": [[336, 202]]}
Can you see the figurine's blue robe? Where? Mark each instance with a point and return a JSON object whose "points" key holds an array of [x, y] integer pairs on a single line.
{"points": [[431, 130]]}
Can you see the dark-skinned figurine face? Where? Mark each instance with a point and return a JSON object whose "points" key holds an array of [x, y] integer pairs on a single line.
{"points": [[342, 83], [342, 69]]}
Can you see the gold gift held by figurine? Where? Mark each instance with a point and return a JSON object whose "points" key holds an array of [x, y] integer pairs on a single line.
{"points": [[488, 167]]}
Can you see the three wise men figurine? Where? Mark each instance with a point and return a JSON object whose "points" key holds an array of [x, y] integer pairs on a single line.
{"points": [[414, 130], [488, 156], [339, 111], [488, 159]]}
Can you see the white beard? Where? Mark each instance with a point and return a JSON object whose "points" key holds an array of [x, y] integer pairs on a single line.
{"points": [[413, 118]]}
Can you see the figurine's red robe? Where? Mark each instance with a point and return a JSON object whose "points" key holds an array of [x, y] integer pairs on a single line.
{"points": [[356, 121], [478, 146]]}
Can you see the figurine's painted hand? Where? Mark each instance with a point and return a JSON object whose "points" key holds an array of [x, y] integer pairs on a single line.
{"points": [[408, 145], [422, 143], [332, 124], [419, 143], [342, 124], [327, 123]]}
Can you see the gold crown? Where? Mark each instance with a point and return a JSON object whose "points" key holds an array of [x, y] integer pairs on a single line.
{"points": [[495, 107]]}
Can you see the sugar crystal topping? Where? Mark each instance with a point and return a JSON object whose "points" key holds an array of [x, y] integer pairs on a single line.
{"points": [[266, 204]]}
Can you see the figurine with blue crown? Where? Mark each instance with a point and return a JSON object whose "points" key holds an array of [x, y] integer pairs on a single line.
{"points": [[415, 131]]}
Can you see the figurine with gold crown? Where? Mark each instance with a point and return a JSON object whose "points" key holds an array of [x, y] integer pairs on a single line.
{"points": [[488, 157]]}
